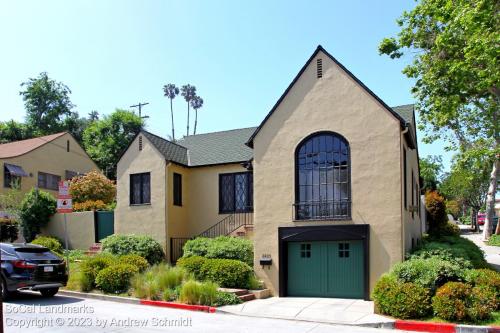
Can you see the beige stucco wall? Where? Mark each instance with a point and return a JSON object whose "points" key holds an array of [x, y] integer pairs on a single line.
{"points": [[81, 234], [412, 225], [50, 158], [332, 103], [148, 219]]}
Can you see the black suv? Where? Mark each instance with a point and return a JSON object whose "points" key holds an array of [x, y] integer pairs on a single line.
{"points": [[31, 267]]}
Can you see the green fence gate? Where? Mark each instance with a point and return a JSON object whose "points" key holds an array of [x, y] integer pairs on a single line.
{"points": [[104, 225]]}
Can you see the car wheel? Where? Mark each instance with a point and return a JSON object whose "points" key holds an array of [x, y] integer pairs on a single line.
{"points": [[49, 292], [4, 293]]}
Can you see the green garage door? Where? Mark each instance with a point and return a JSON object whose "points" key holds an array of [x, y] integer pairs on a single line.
{"points": [[326, 269]]}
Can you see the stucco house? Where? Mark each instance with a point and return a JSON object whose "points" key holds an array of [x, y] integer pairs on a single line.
{"points": [[42, 162], [329, 181]]}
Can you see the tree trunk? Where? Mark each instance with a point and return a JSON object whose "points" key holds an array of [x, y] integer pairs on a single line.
{"points": [[195, 119], [490, 200], [172, 114], [187, 131]]}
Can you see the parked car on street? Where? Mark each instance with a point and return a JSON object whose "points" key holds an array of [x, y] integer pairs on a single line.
{"points": [[31, 267], [481, 217]]}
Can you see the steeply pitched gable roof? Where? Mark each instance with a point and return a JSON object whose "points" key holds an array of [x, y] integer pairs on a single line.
{"points": [[171, 151], [18, 148], [218, 147], [321, 49]]}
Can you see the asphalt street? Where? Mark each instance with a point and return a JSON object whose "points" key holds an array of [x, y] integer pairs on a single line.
{"points": [[32, 313]]}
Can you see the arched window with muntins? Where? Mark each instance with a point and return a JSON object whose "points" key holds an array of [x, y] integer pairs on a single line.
{"points": [[323, 178]]}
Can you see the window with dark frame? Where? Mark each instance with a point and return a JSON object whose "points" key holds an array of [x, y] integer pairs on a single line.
{"points": [[323, 178], [10, 179], [305, 250], [177, 189], [343, 250], [235, 192], [140, 188], [48, 181]]}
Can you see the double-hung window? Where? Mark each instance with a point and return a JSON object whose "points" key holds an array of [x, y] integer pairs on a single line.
{"points": [[140, 188], [48, 181]]}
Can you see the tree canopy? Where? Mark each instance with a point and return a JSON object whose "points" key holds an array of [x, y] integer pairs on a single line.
{"points": [[106, 139], [430, 170]]}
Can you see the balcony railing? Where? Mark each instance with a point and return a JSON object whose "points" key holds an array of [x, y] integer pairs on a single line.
{"points": [[322, 210]]}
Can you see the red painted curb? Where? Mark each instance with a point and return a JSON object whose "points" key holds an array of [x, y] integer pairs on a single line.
{"points": [[204, 308], [421, 326], [494, 329]]}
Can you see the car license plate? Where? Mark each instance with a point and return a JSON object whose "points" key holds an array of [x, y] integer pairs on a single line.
{"points": [[48, 269]]}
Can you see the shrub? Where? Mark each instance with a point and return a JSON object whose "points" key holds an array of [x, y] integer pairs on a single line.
{"points": [[227, 273], [193, 292], [9, 228], [223, 298], [254, 283], [92, 187], [459, 247], [483, 301], [52, 243], [441, 253], [447, 229], [192, 265], [145, 286], [429, 273], [450, 301], [401, 300], [74, 255], [89, 205], [484, 278], [436, 208], [196, 247], [465, 219], [135, 260], [115, 278], [222, 247], [91, 267], [35, 211], [143, 246], [494, 240]]}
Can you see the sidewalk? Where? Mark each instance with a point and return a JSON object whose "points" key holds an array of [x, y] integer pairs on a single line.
{"points": [[322, 310], [491, 253]]}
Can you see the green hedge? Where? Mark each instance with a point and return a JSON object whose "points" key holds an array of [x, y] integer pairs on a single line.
{"points": [[222, 247], [401, 300], [192, 265], [91, 267], [143, 246], [52, 243], [135, 260], [429, 273], [115, 278]]}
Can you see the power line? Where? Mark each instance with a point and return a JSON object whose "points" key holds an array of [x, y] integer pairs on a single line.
{"points": [[139, 106]]}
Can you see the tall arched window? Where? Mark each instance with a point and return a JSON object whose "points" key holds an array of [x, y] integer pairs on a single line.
{"points": [[323, 189]]}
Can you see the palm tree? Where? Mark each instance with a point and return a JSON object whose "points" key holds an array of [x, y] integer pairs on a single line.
{"points": [[170, 91], [188, 92], [93, 115], [196, 103]]}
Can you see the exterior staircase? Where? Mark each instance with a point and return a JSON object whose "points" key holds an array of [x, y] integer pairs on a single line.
{"points": [[94, 249], [242, 294]]}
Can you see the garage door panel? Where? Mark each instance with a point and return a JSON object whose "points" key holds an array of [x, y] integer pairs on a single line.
{"points": [[326, 269]]}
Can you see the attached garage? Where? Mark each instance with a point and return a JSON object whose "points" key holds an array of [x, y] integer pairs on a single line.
{"points": [[324, 261]]}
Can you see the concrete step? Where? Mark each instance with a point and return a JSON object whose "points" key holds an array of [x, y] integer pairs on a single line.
{"points": [[247, 297], [237, 292]]}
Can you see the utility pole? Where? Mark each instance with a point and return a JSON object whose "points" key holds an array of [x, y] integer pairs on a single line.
{"points": [[139, 106]]}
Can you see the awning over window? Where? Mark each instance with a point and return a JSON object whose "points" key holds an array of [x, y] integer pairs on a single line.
{"points": [[16, 170]]}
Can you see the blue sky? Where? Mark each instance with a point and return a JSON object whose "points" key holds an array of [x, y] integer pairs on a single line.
{"points": [[240, 55]]}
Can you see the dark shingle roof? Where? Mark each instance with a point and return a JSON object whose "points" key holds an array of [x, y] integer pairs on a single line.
{"points": [[218, 147], [171, 151], [405, 111]]}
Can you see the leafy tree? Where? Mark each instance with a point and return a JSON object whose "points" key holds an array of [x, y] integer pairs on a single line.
{"points": [[188, 92], [457, 74], [47, 104], [171, 91], [36, 209], [13, 131], [93, 115], [75, 125], [106, 139], [196, 103], [430, 169]]}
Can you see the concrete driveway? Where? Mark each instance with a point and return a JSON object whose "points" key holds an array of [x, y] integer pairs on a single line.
{"points": [[323, 310]]}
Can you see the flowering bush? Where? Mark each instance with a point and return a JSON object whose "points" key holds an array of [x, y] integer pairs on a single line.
{"points": [[93, 186], [89, 205]]}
